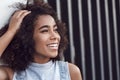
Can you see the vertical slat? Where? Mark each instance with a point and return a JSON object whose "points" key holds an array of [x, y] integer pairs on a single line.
{"points": [[91, 39], [72, 50], [82, 39], [100, 39], [108, 39], [116, 39], [119, 6], [58, 9]]}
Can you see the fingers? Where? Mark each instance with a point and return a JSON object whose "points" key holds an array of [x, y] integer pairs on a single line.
{"points": [[24, 14], [21, 13], [16, 19]]}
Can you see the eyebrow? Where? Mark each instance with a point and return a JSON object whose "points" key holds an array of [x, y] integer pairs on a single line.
{"points": [[46, 26]]}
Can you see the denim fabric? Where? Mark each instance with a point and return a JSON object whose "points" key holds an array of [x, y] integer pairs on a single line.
{"points": [[63, 71]]}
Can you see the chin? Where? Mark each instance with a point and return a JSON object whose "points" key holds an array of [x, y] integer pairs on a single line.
{"points": [[55, 55]]}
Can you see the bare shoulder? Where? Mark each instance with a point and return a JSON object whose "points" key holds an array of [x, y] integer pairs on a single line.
{"points": [[9, 71], [75, 72]]}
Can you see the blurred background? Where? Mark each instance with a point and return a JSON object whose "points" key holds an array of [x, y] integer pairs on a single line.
{"points": [[93, 33]]}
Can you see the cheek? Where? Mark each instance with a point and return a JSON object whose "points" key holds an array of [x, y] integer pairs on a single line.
{"points": [[40, 40], [59, 37], [38, 44]]}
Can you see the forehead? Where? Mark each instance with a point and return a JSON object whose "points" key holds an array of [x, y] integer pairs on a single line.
{"points": [[45, 20]]}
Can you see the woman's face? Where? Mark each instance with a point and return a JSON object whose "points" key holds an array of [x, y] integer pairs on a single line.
{"points": [[46, 37]]}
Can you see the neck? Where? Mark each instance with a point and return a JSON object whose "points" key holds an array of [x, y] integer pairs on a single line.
{"points": [[41, 59]]}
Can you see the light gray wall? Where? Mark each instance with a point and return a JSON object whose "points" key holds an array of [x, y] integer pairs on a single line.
{"points": [[6, 10]]}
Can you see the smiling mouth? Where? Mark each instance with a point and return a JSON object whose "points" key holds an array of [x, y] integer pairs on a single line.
{"points": [[53, 46]]}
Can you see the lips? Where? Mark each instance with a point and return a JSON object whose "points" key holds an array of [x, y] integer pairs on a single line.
{"points": [[53, 45]]}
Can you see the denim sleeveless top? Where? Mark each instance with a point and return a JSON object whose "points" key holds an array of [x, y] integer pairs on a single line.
{"points": [[57, 70]]}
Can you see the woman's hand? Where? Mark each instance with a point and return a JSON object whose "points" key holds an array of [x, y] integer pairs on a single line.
{"points": [[16, 20], [14, 25]]}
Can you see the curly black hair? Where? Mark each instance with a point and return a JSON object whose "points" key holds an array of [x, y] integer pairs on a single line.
{"points": [[19, 53]]}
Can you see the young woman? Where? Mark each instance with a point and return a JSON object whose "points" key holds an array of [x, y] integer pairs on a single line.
{"points": [[31, 45]]}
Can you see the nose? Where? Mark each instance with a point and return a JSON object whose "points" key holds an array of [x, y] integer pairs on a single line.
{"points": [[54, 35]]}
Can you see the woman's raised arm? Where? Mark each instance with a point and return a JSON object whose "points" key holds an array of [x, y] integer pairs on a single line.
{"points": [[14, 25]]}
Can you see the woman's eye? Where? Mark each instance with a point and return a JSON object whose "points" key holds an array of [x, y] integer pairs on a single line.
{"points": [[43, 31], [56, 30]]}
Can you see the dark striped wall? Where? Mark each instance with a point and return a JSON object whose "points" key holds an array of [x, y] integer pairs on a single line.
{"points": [[94, 36]]}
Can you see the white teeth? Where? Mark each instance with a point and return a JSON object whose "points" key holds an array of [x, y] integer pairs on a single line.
{"points": [[53, 46]]}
